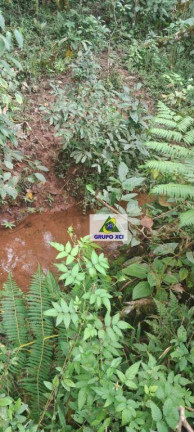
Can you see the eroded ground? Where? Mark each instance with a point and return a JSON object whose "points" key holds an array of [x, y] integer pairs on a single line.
{"points": [[50, 209]]}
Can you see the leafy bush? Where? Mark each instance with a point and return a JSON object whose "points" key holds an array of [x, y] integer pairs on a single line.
{"points": [[81, 28], [10, 97], [69, 355], [99, 128]]}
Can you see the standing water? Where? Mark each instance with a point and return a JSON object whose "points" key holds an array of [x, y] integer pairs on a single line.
{"points": [[28, 245]]}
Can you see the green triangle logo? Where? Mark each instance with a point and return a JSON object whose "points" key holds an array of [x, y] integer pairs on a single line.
{"points": [[109, 226]]}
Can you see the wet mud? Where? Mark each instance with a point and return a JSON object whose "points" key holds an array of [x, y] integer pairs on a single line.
{"points": [[23, 248]]}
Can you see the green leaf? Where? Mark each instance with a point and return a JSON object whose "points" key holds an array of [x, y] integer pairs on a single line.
{"points": [[190, 257], [64, 306], [122, 171], [138, 270], [100, 269], [2, 22], [70, 259], [162, 426], [115, 319], [4, 401], [58, 246], [156, 413], [132, 370], [2, 46], [67, 320], [106, 303], [18, 97], [131, 183], [94, 257], [8, 165], [165, 249], [142, 289], [121, 376], [19, 38], [183, 273], [131, 384], [40, 177], [69, 280], [62, 267], [68, 247], [51, 312], [82, 396], [107, 319], [75, 251], [59, 319], [123, 325], [126, 416], [182, 334], [48, 385], [69, 382]]}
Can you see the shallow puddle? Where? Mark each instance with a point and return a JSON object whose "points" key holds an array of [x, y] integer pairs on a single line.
{"points": [[27, 245]]}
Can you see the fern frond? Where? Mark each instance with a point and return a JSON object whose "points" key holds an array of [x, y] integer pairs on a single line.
{"points": [[13, 313], [187, 218], [52, 285], [163, 110], [166, 167], [168, 149], [173, 303], [41, 353], [166, 134], [189, 137], [166, 122], [174, 190], [185, 123], [161, 309], [14, 324]]}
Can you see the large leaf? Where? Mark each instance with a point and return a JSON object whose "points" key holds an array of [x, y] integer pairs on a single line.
{"points": [[138, 270], [19, 38], [142, 289]]}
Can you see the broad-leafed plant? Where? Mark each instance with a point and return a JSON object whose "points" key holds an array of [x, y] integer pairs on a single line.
{"points": [[10, 98]]}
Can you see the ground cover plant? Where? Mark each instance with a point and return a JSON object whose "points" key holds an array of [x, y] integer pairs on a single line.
{"points": [[105, 344]]}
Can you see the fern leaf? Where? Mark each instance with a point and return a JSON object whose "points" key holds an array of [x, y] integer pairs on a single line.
{"points": [[187, 218], [174, 190], [189, 137], [167, 149], [185, 123], [41, 353], [166, 134], [13, 313], [166, 122], [166, 167], [164, 111], [14, 322], [52, 285]]}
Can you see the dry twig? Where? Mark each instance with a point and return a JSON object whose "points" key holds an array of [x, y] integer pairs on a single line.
{"points": [[183, 421]]}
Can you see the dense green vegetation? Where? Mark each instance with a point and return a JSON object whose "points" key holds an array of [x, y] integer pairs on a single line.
{"points": [[106, 347]]}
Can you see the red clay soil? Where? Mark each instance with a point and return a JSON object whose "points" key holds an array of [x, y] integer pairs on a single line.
{"points": [[27, 245], [37, 141]]}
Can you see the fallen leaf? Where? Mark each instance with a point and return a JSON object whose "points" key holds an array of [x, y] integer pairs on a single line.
{"points": [[69, 54], [29, 196], [147, 222], [155, 173], [177, 288], [163, 202]]}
